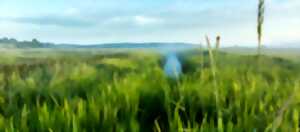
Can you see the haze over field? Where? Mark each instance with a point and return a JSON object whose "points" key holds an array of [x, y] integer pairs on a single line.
{"points": [[91, 21]]}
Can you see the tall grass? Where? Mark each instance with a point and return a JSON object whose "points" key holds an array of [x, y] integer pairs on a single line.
{"points": [[260, 21], [213, 69], [218, 42], [95, 92]]}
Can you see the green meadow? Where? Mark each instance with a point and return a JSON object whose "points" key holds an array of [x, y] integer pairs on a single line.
{"points": [[127, 90]]}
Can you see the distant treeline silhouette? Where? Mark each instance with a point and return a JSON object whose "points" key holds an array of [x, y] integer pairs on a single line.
{"points": [[13, 43]]}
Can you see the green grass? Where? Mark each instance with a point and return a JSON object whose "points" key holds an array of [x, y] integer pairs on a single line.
{"points": [[285, 53], [128, 91]]}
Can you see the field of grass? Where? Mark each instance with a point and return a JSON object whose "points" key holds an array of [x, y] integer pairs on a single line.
{"points": [[45, 90], [286, 53]]}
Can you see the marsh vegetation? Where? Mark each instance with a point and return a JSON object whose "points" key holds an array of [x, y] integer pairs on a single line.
{"points": [[129, 91]]}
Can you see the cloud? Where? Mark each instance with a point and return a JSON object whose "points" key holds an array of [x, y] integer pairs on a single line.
{"points": [[131, 21], [145, 20], [72, 12], [62, 21]]}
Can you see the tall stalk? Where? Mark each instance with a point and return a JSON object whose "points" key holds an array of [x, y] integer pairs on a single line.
{"points": [[218, 42], [260, 21], [213, 70]]}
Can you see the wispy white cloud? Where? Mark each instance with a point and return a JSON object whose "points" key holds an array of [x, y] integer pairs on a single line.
{"points": [[145, 20], [71, 12], [133, 21], [43, 21]]}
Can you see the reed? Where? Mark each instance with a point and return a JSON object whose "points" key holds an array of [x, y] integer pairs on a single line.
{"points": [[213, 69], [260, 22], [278, 120], [218, 42], [92, 94]]}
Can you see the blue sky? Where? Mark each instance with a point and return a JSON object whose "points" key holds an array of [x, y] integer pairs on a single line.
{"points": [[102, 21]]}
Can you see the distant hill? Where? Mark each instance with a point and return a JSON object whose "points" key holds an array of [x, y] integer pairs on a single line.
{"points": [[283, 52], [287, 45], [151, 45], [13, 43]]}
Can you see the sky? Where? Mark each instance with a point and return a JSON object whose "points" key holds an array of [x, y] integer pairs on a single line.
{"points": [[113, 21]]}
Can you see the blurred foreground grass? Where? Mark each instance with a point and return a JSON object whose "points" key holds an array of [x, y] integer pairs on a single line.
{"points": [[128, 91]]}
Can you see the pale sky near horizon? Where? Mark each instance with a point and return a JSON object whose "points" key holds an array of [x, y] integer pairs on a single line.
{"points": [[105, 21]]}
